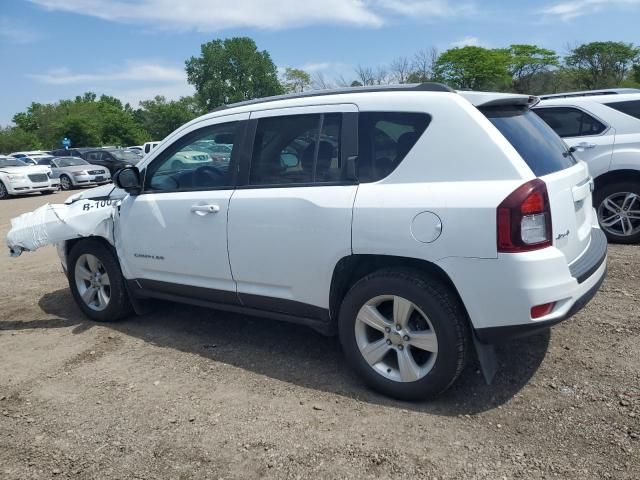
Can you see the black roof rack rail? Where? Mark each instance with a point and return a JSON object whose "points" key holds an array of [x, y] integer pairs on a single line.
{"points": [[407, 87]]}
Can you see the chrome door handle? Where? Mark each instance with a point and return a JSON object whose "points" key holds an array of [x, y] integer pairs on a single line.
{"points": [[205, 209], [586, 146]]}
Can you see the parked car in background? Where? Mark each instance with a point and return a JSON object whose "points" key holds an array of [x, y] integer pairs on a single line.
{"points": [[138, 148], [76, 172], [414, 221], [30, 153], [603, 129], [111, 158], [16, 177], [35, 159], [148, 146], [72, 152]]}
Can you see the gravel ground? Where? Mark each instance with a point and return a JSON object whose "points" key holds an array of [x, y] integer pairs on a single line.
{"points": [[186, 393]]}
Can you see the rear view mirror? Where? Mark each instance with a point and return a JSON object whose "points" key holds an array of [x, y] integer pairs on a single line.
{"points": [[128, 179], [288, 160]]}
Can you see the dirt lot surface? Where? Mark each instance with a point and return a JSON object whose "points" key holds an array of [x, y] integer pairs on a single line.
{"points": [[187, 393]]}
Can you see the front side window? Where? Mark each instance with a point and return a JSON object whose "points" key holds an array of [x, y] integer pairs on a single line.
{"points": [[297, 149], [385, 139], [193, 163], [630, 108], [570, 122]]}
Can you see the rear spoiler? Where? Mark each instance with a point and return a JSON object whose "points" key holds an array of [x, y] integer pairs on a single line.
{"points": [[493, 99]]}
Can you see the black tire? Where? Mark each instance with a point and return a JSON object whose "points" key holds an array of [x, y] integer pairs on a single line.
{"points": [[4, 194], [607, 191], [70, 187], [446, 314], [119, 305]]}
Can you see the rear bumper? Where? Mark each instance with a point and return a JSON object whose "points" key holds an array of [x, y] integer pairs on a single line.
{"points": [[499, 293], [494, 335]]}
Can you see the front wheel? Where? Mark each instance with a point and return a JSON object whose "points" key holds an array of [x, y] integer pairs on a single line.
{"points": [[65, 183], [4, 194], [96, 282], [618, 207], [405, 334]]}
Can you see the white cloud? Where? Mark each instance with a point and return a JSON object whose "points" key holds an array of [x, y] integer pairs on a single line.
{"points": [[570, 9], [466, 42], [427, 8], [132, 72], [134, 81], [16, 33], [216, 15]]}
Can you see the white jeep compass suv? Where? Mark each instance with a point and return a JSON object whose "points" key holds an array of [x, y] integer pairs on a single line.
{"points": [[416, 222], [603, 128]]}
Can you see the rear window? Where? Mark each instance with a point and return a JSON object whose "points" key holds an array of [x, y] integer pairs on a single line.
{"points": [[535, 141], [571, 122], [630, 108]]}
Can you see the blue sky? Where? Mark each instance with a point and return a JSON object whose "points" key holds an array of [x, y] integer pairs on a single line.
{"points": [[135, 49]]}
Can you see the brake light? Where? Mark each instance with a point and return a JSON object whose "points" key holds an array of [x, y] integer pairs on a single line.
{"points": [[524, 219]]}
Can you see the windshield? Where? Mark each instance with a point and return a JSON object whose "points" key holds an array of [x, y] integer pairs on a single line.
{"points": [[70, 162], [126, 156], [5, 162], [538, 145]]}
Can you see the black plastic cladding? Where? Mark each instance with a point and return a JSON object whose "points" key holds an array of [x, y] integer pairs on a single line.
{"points": [[411, 87]]}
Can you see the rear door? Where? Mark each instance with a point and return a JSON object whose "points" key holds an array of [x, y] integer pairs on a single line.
{"points": [[592, 138], [568, 181], [290, 221]]}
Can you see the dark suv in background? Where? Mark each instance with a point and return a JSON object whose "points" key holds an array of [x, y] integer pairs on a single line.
{"points": [[113, 158]]}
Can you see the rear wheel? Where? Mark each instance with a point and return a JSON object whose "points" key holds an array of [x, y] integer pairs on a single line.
{"points": [[618, 207], [406, 335], [96, 282]]}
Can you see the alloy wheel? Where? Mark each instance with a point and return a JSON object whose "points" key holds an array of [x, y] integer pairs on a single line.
{"points": [[65, 183], [396, 338], [619, 214], [92, 282]]}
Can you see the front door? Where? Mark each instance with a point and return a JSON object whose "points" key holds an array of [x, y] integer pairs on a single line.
{"points": [[174, 234]]}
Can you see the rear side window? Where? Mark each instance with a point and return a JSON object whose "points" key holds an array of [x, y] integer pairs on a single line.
{"points": [[630, 108], [536, 143], [571, 122], [385, 139], [297, 149]]}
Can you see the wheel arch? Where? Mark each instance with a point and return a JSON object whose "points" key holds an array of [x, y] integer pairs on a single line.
{"points": [[352, 268], [613, 176]]}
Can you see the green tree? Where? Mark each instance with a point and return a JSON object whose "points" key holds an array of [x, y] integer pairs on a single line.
{"points": [[232, 70], [160, 117], [13, 139], [602, 64], [471, 67], [295, 80], [527, 61]]}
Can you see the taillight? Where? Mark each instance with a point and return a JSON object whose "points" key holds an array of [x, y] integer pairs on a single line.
{"points": [[524, 219]]}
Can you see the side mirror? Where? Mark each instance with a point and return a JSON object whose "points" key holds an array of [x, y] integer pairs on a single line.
{"points": [[128, 179]]}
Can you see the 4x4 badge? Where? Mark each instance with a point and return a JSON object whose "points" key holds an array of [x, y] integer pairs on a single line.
{"points": [[563, 235]]}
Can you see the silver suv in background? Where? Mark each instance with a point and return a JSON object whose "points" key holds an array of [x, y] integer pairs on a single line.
{"points": [[603, 129]]}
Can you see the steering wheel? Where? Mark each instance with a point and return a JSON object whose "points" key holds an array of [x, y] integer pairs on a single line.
{"points": [[205, 174]]}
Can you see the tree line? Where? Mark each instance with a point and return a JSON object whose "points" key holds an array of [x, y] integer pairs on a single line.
{"points": [[233, 70]]}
